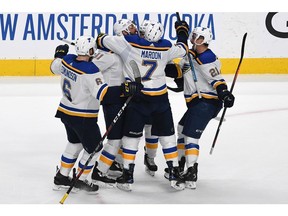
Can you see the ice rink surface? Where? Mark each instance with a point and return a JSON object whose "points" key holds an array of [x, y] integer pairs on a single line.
{"points": [[249, 164]]}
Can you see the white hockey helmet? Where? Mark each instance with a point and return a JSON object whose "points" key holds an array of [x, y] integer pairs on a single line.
{"points": [[83, 45], [123, 25], [143, 26], [201, 31], [154, 31]]}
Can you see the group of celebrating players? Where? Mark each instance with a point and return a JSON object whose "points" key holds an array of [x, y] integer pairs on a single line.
{"points": [[103, 74]]}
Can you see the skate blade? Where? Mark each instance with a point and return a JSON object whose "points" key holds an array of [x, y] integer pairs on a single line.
{"points": [[78, 190], [64, 188], [176, 185], [125, 187], [60, 187], [103, 184], [190, 184], [151, 173], [91, 192]]}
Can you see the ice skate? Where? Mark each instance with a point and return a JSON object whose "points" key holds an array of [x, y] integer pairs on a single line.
{"points": [[181, 163], [176, 180], [101, 179], [125, 181], [115, 170], [86, 186], [150, 166], [61, 182], [191, 177]]}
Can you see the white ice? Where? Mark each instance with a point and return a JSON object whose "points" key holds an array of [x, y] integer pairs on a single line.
{"points": [[249, 164]]}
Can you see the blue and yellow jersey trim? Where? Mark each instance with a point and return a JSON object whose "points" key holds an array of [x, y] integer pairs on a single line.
{"points": [[155, 91], [204, 58], [102, 92], [85, 113], [216, 83], [72, 68], [79, 67], [149, 47]]}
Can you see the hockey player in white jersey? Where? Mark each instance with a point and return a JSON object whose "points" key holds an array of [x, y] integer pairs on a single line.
{"points": [[151, 141], [127, 27], [151, 55], [214, 93], [106, 166], [111, 67], [83, 88], [110, 161]]}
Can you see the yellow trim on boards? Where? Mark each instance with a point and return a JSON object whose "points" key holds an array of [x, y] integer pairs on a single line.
{"points": [[41, 67]]}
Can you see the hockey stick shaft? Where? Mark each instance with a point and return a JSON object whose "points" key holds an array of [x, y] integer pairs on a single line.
{"points": [[67, 41], [232, 87], [175, 89], [117, 117], [191, 66]]}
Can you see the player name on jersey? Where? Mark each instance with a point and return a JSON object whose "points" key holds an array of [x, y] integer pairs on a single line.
{"points": [[150, 54], [69, 74]]}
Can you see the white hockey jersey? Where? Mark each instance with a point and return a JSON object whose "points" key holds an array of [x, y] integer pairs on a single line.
{"points": [[208, 72], [111, 66], [150, 57], [82, 84]]}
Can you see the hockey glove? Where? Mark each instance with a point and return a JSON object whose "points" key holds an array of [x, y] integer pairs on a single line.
{"points": [[226, 96], [61, 51], [131, 88], [182, 30], [98, 40]]}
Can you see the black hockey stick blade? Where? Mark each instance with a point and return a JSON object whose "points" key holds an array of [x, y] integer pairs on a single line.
{"points": [[136, 71], [175, 89], [178, 16], [240, 62]]}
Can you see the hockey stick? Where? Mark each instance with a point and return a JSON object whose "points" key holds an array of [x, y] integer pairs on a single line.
{"points": [[67, 41], [192, 66], [137, 76], [177, 89], [232, 87]]}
